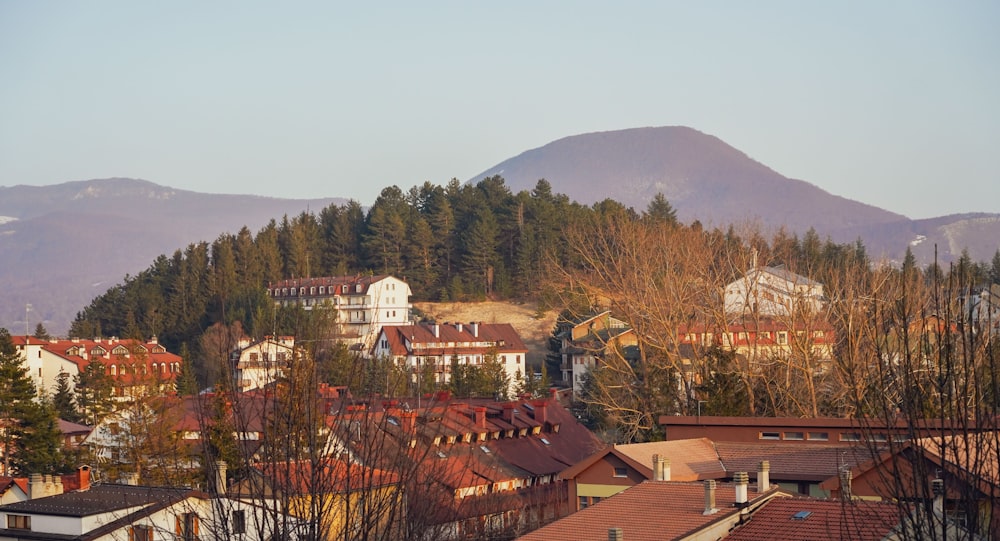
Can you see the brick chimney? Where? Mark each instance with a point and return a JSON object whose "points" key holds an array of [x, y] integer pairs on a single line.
{"points": [[541, 413], [409, 420], [615, 534], [508, 412], [741, 479], [710, 508], [84, 476], [764, 476], [479, 414]]}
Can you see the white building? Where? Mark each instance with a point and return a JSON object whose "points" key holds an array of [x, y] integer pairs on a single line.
{"points": [[363, 304], [139, 513], [257, 364], [437, 344], [775, 292]]}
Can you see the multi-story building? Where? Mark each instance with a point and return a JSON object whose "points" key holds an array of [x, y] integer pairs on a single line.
{"points": [[129, 363], [416, 346], [259, 363], [585, 342], [774, 292], [363, 304]]}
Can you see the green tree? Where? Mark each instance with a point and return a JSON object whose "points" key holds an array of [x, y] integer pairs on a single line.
{"points": [[660, 210], [16, 403], [40, 443], [41, 333], [62, 399], [94, 393]]}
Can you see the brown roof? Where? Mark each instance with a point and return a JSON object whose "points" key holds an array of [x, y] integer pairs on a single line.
{"points": [[801, 462], [690, 460], [649, 511], [794, 519]]}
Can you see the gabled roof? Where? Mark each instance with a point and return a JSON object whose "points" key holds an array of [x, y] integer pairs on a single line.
{"points": [[649, 511], [99, 499], [449, 340], [799, 462], [690, 460], [794, 519]]}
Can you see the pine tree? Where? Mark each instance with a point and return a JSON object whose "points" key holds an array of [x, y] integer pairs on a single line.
{"points": [[40, 443], [16, 403], [62, 399], [661, 211], [187, 384], [94, 392], [41, 333]]}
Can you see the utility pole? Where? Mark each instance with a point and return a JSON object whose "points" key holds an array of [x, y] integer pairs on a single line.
{"points": [[27, 325]]}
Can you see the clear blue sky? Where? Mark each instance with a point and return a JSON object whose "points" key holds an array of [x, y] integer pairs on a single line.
{"points": [[896, 104]]}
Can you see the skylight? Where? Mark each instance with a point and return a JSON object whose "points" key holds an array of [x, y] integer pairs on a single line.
{"points": [[485, 449], [546, 441], [801, 515]]}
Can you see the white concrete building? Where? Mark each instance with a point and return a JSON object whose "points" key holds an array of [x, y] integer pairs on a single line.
{"points": [[775, 292], [363, 304], [257, 364], [418, 345]]}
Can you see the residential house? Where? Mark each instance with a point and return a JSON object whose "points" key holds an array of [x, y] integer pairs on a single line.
{"points": [[661, 511], [133, 365], [786, 430], [585, 342], [335, 498], [775, 292], [12, 490], [617, 467], [791, 519], [116, 512], [758, 341], [362, 304], [471, 468], [256, 364], [438, 345]]}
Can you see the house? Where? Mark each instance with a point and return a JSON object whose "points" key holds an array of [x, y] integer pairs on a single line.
{"points": [[362, 304], [585, 342], [758, 341], [810, 518], [132, 365], [12, 490], [617, 467], [74, 434], [334, 497], [661, 510], [105, 512], [775, 292], [958, 473], [256, 364], [784, 430], [421, 346], [471, 468]]}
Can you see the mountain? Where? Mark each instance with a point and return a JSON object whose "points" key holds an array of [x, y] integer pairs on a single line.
{"points": [[707, 180], [64, 244]]}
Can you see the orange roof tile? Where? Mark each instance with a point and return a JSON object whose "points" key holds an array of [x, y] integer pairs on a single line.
{"points": [[794, 519], [690, 460]]}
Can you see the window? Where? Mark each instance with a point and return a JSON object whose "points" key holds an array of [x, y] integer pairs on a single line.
{"points": [[770, 435], [795, 436], [187, 526], [782, 338], [140, 533], [819, 436], [621, 472], [19, 522], [239, 521], [584, 502], [850, 436]]}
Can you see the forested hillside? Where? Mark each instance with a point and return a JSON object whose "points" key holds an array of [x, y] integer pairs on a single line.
{"points": [[452, 243]]}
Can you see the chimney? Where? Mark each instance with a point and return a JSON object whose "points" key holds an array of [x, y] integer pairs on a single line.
{"points": [[764, 476], [937, 487], [661, 468], [475, 329], [458, 326], [409, 420], [710, 508], [479, 413], [36, 486], [220, 477], [437, 330], [845, 484], [741, 479], [84, 476], [615, 534], [540, 413], [508, 412], [57, 485]]}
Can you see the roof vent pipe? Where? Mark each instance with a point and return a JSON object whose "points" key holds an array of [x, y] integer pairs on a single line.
{"points": [[615, 534], [741, 479], [710, 508]]}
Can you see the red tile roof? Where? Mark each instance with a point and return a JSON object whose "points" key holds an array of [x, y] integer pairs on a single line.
{"points": [[801, 462], [690, 460], [818, 519], [649, 511]]}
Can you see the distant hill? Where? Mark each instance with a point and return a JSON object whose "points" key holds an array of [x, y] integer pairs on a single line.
{"points": [[64, 244], [706, 179]]}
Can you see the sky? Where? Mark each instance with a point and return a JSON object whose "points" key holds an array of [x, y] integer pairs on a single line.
{"points": [[892, 103]]}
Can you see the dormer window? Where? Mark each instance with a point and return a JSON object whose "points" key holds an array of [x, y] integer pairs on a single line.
{"points": [[322, 290]]}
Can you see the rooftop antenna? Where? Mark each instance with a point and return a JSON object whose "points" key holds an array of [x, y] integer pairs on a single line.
{"points": [[27, 324]]}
